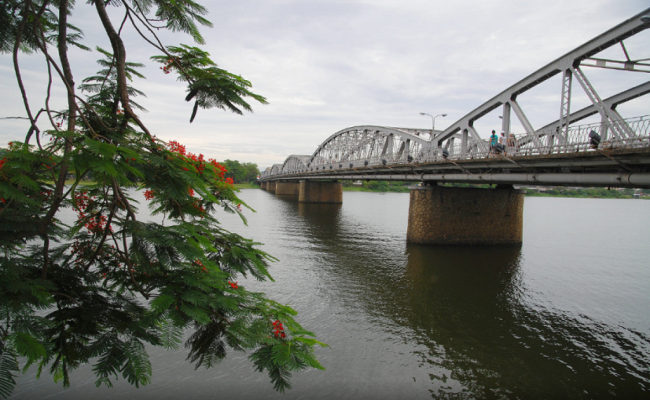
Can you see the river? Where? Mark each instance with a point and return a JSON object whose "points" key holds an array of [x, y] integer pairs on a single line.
{"points": [[566, 315]]}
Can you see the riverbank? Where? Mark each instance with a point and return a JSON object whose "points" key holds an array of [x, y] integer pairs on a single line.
{"points": [[247, 185], [390, 189], [583, 193]]}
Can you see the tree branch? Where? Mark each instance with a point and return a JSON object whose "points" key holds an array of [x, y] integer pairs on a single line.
{"points": [[160, 46], [19, 78], [120, 56]]}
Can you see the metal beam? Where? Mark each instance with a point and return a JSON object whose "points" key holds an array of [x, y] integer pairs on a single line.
{"points": [[615, 64], [611, 102], [634, 180], [565, 107], [615, 35]]}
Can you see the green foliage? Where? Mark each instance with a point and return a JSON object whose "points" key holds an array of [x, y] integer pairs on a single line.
{"points": [[38, 21], [241, 172], [602, 193], [179, 16], [8, 368], [387, 186], [209, 85], [104, 85], [100, 288]]}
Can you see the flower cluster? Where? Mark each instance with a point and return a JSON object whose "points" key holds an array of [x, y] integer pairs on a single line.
{"points": [[199, 161], [278, 330], [198, 206], [176, 147], [82, 200], [200, 264], [82, 252], [148, 194], [96, 223], [233, 285], [169, 64], [2, 162], [221, 168]]}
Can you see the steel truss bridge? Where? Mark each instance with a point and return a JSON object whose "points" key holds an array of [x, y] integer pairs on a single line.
{"points": [[559, 153]]}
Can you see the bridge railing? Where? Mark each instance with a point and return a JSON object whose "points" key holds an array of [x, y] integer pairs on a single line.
{"points": [[629, 133]]}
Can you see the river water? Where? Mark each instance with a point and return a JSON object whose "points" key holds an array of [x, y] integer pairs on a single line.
{"points": [[566, 315]]}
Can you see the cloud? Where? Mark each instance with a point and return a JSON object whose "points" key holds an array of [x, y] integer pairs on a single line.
{"points": [[327, 65]]}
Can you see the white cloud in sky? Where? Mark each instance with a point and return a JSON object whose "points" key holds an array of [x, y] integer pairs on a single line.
{"points": [[328, 65]]}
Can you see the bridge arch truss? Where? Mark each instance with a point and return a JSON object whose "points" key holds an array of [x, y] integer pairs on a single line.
{"points": [[368, 146]]}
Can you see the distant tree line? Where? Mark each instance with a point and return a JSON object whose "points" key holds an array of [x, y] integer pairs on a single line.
{"points": [[380, 186], [241, 172], [554, 191], [586, 192]]}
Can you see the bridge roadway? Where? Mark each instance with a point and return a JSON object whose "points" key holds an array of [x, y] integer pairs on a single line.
{"points": [[559, 153], [617, 163]]}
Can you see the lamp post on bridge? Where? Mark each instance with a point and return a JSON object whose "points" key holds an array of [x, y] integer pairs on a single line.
{"points": [[433, 121]]}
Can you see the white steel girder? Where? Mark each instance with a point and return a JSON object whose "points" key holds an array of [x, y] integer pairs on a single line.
{"points": [[613, 36]]}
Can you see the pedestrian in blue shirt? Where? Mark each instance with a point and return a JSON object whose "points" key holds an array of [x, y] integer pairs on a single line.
{"points": [[493, 141]]}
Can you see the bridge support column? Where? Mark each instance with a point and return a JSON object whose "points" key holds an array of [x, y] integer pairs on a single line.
{"points": [[270, 186], [320, 192], [263, 185], [287, 188], [449, 215]]}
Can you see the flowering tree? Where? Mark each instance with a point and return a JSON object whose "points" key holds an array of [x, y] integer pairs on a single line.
{"points": [[104, 286]]}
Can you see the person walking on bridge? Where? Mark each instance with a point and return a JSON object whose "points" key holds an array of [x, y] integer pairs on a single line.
{"points": [[494, 140]]}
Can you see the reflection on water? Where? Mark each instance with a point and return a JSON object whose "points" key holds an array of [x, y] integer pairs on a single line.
{"points": [[470, 305], [545, 320]]}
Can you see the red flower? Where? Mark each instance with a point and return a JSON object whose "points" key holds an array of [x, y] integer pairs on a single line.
{"points": [[278, 330], [176, 147], [148, 194], [233, 285]]}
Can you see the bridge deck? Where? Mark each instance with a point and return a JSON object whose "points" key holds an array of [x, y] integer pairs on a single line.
{"points": [[623, 167]]}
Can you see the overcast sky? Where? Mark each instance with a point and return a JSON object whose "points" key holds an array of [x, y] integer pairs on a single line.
{"points": [[328, 65]]}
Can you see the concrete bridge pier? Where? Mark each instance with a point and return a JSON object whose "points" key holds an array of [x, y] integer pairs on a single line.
{"points": [[287, 188], [263, 185], [270, 186], [466, 216], [320, 192]]}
